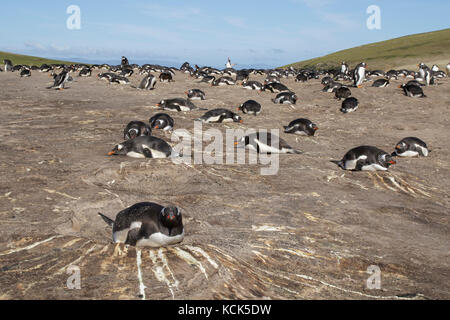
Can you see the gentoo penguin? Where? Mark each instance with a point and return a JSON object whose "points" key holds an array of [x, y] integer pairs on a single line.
{"points": [[8, 65], [342, 93], [136, 129], [147, 224], [223, 81], [275, 87], [195, 94], [220, 115], [271, 79], [25, 73], [148, 83], [366, 158], [177, 104], [252, 85], [302, 127], [285, 98], [242, 75], [359, 74], [380, 83], [412, 90], [165, 77], [60, 80], [344, 68], [349, 105], [126, 72], [85, 72], [161, 121], [448, 69], [124, 62], [119, 79], [208, 79], [435, 68], [250, 107], [392, 74], [144, 147], [301, 78], [265, 143], [228, 65], [411, 147]]}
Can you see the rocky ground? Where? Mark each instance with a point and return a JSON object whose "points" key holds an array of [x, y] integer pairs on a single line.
{"points": [[309, 232]]}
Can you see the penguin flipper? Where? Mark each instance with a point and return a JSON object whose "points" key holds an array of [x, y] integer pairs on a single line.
{"points": [[109, 221]]}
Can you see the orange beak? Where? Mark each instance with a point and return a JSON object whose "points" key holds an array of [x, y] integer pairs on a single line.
{"points": [[399, 86], [111, 153], [316, 128], [397, 147], [186, 92], [241, 121], [392, 162], [236, 143], [156, 127]]}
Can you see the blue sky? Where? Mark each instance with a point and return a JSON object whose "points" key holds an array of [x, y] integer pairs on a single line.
{"points": [[271, 33]]}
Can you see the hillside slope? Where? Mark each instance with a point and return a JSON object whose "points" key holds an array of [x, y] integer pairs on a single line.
{"points": [[28, 60], [404, 52]]}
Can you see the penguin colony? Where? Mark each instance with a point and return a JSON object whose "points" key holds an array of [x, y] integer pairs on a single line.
{"points": [[154, 225]]}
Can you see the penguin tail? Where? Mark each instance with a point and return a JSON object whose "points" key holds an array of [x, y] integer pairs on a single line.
{"points": [[423, 96], [338, 163], [109, 221], [294, 151], [204, 109]]}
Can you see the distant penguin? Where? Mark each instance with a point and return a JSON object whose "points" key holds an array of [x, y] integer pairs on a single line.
{"points": [[252, 85], [250, 107], [136, 129], [148, 83], [147, 224], [380, 83], [165, 77], [25, 73], [342, 93], [344, 68], [208, 79], [195, 94], [359, 74], [349, 105], [220, 115], [276, 87], [124, 62], [411, 147], [448, 69], [85, 72], [177, 104], [435, 68], [285, 98], [265, 143], [8, 65], [223, 81], [366, 158], [144, 147], [301, 78], [60, 80], [126, 72], [412, 90], [161, 121], [301, 127]]}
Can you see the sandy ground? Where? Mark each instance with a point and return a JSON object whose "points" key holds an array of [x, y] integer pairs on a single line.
{"points": [[309, 232]]}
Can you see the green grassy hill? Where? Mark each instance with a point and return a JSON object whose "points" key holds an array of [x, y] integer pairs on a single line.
{"points": [[405, 52], [28, 60]]}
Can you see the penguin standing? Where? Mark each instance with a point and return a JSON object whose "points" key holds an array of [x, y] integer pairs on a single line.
{"points": [[124, 62], [136, 129], [161, 121], [250, 107], [144, 147], [8, 65], [148, 83], [448, 69], [220, 115], [344, 68], [265, 143], [366, 158], [60, 80], [359, 74], [411, 147], [147, 224], [301, 127]]}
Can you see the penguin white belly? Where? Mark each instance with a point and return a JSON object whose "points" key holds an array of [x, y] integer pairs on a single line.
{"points": [[227, 120], [212, 119], [424, 150], [121, 236], [301, 133], [159, 240], [351, 164], [408, 153], [373, 167], [264, 148], [137, 155], [184, 108], [156, 154], [167, 128]]}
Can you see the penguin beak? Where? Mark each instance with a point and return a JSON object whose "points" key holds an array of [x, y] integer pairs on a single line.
{"points": [[158, 104], [111, 153], [316, 128], [399, 86], [156, 127], [392, 162], [236, 143], [186, 92], [241, 121], [397, 147]]}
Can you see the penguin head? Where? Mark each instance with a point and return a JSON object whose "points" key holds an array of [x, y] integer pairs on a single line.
{"points": [[120, 149], [171, 216], [132, 133], [237, 118], [400, 148], [386, 160], [158, 124], [313, 127]]}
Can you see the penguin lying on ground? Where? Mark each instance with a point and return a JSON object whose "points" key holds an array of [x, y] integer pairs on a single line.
{"points": [[412, 90], [366, 158], [161, 121], [147, 224], [265, 143], [177, 104], [349, 105], [250, 107], [220, 115], [302, 127], [144, 147], [342, 93], [252, 85], [411, 147], [136, 129], [380, 83], [276, 87], [285, 98], [196, 94]]}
